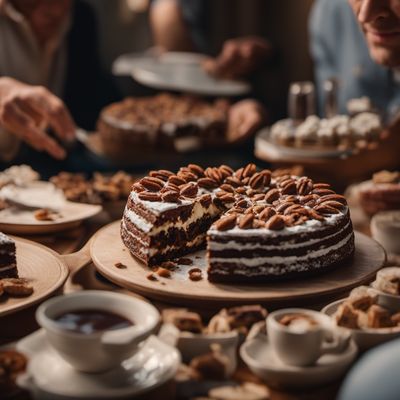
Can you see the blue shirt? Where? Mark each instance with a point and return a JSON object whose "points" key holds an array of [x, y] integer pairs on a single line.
{"points": [[339, 50]]}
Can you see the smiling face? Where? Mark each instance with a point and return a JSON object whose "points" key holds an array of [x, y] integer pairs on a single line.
{"points": [[380, 22]]}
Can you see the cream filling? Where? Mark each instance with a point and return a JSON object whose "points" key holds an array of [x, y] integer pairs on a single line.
{"points": [[198, 212], [6, 268], [232, 244], [294, 260]]}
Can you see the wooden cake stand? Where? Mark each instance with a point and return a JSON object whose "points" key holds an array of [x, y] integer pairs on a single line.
{"points": [[42, 268], [107, 249]]}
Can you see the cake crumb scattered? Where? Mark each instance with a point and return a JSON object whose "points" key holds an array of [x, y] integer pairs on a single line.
{"points": [[151, 277], [163, 272], [185, 261], [195, 274], [170, 265], [119, 265]]}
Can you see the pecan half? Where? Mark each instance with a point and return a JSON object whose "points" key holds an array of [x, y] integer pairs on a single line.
{"points": [[228, 198], [152, 184], [226, 223], [323, 192], [314, 215], [196, 169], [289, 188], [234, 181], [189, 190], [226, 170], [334, 204], [149, 196], [304, 187], [333, 197], [207, 183], [227, 188], [213, 173], [275, 223], [322, 185], [205, 200], [170, 196], [137, 187], [272, 195], [257, 181], [241, 190], [326, 210], [249, 170], [176, 180], [162, 174], [187, 176], [267, 214], [246, 221]]}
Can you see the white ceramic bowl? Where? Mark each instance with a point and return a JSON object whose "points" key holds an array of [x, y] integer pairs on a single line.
{"points": [[99, 351], [365, 338]]}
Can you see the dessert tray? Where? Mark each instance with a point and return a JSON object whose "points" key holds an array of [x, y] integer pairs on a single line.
{"points": [[266, 147], [176, 71], [108, 254], [154, 364], [39, 208], [42, 268]]}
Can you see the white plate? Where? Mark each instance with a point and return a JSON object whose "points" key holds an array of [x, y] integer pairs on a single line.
{"points": [[365, 338], [265, 144], [176, 71], [50, 377], [258, 355], [23, 222]]}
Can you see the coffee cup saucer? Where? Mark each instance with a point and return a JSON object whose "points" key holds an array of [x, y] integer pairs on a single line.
{"points": [[48, 376], [259, 356]]}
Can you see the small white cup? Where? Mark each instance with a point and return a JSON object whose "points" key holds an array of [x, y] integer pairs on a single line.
{"points": [[304, 347], [99, 351]]}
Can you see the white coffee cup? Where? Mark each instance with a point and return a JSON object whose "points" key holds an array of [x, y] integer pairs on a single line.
{"points": [[303, 347], [104, 350]]}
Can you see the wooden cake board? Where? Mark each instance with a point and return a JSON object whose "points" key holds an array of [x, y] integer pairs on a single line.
{"points": [[107, 249]]}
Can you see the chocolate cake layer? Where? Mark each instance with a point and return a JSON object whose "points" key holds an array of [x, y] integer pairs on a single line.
{"points": [[257, 225], [8, 261]]}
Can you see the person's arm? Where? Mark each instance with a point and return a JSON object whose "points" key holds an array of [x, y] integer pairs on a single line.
{"points": [[244, 119], [26, 111], [169, 28], [239, 57]]}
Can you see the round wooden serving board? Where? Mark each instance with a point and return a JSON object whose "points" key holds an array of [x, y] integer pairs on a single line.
{"points": [[43, 269], [108, 249]]}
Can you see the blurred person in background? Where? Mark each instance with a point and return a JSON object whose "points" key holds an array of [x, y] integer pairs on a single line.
{"points": [[358, 43], [181, 25], [50, 77]]}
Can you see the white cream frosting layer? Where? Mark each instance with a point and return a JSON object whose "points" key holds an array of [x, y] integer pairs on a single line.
{"points": [[294, 261], [232, 244]]}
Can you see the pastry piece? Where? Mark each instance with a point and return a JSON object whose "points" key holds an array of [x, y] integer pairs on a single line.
{"points": [[361, 299], [382, 193], [266, 226], [379, 317], [213, 365], [239, 318], [388, 281], [8, 260], [347, 317], [184, 320]]}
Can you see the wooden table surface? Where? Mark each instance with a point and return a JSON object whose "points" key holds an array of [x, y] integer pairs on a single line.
{"points": [[22, 323]]}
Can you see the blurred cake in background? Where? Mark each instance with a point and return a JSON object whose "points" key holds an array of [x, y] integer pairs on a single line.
{"points": [[164, 121], [382, 193]]}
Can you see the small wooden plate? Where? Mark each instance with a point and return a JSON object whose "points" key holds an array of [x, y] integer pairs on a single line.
{"points": [[108, 249], [43, 269], [23, 222]]}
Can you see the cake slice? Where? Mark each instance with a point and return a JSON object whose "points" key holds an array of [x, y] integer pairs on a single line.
{"points": [[8, 260]]}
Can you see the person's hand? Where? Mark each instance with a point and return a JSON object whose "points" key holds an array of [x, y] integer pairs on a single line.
{"points": [[244, 119], [239, 57], [26, 111]]}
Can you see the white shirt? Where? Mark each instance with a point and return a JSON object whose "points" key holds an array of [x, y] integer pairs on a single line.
{"points": [[22, 58]]}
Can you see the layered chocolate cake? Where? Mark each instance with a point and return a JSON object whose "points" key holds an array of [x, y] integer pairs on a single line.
{"points": [[8, 261], [382, 193], [257, 225], [160, 122]]}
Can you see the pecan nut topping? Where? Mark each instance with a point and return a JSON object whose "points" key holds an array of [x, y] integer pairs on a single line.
{"points": [[149, 196], [246, 221], [226, 223], [196, 169], [189, 190], [176, 180], [249, 170], [152, 184], [207, 183], [170, 196], [275, 223], [272, 195]]}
